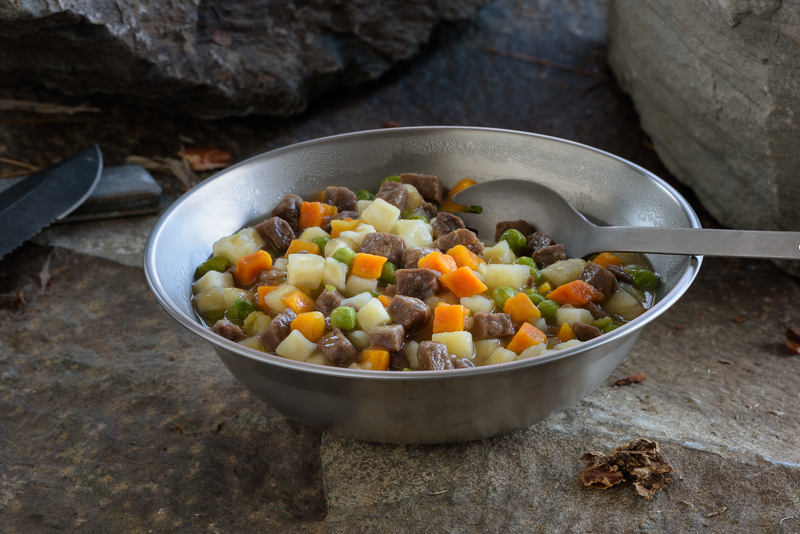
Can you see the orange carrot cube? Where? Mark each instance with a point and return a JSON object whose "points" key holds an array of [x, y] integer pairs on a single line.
{"points": [[310, 324], [521, 309], [439, 262], [248, 267], [526, 337], [346, 225], [565, 333], [298, 301], [606, 258], [315, 213], [576, 293], [375, 359], [297, 246], [368, 265], [465, 257], [463, 283], [449, 318], [261, 294], [384, 300]]}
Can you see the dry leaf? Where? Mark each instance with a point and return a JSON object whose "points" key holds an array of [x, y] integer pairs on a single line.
{"points": [[640, 461], [631, 379], [206, 159]]}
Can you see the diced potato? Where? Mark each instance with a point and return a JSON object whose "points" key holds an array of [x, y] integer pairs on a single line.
{"points": [[253, 343], [567, 344], [632, 291], [501, 355], [477, 303], [624, 305], [256, 323], [414, 198], [446, 298], [482, 271], [317, 358], [381, 215], [415, 233], [359, 338], [305, 270], [515, 276], [273, 298], [564, 271], [359, 301], [500, 253], [253, 234], [459, 344], [334, 273], [361, 205], [212, 279], [235, 246], [410, 348], [356, 284], [312, 232], [356, 236], [540, 323], [571, 316], [232, 294], [333, 245], [372, 314], [209, 301], [295, 347], [485, 347], [536, 350]]}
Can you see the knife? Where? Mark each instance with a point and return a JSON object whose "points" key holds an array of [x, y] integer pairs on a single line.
{"points": [[39, 200]]}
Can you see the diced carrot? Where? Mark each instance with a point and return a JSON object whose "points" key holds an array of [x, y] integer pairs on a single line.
{"points": [[298, 301], [465, 257], [606, 258], [315, 213], [297, 245], [463, 283], [310, 324], [262, 293], [577, 293], [384, 300], [521, 308], [368, 265], [339, 226], [439, 262], [248, 267], [565, 333], [526, 337], [460, 186], [375, 359], [448, 318]]}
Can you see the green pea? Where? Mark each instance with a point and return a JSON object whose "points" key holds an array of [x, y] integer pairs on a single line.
{"points": [[343, 317], [217, 263], [363, 194], [538, 277], [473, 209], [213, 316], [345, 255], [645, 279], [548, 309], [372, 292], [390, 179], [418, 218], [602, 323], [501, 294], [608, 328], [516, 241], [535, 297], [239, 310], [387, 273], [329, 288], [321, 241]]}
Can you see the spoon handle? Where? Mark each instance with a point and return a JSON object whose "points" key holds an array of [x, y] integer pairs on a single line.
{"points": [[698, 241]]}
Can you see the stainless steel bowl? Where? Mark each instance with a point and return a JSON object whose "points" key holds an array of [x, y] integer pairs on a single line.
{"points": [[418, 406]]}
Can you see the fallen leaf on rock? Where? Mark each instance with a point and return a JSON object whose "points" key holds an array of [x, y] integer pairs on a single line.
{"points": [[793, 341], [631, 379], [206, 159], [640, 461]]}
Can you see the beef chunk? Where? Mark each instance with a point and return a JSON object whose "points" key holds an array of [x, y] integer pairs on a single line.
{"points": [[619, 273], [433, 356], [459, 237], [337, 349], [412, 256], [389, 246], [328, 301], [271, 277], [549, 255], [389, 291], [600, 278], [410, 312], [228, 330], [444, 223], [596, 311], [537, 241], [492, 325], [429, 209], [394, 193], [585, 332], [520, 225], [430, 187], [289, 211], [277, 232], [398, 361], [341, 197], [390, 337], [342, 215], [463, 363], [279, 328], [418, 283]]}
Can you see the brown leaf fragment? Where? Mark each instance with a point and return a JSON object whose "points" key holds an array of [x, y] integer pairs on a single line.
{"points": [[631, 379], [721, 510], [647, 482], [793, 341], [390, 124], [601, 476], [206, 159], [640, 461]]}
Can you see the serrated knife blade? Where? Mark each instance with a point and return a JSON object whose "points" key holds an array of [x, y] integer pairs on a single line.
{"points": [[41, 199]]}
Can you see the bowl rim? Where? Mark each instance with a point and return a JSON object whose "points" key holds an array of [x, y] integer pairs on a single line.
{"points": [[194, 326]]}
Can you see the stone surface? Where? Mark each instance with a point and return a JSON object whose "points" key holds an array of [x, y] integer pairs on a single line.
{"points": [[214, 58], [716, 86]]}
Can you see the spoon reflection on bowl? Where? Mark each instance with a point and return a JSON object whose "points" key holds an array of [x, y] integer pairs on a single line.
{"points": [[549, 212]]}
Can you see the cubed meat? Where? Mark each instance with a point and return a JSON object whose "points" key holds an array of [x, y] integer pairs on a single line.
{"points": [[429, 209], [460, 237], [433, 356], [398, 361], [271, 277], [585, 332], [463, 363], [412, 256], [289, 211], [536, 241], [599, 277], [619, 273], [389, 246], [389, 291], [394, 193], [430, 187], [549, 255], [413, 314], [596, 311], [389, 337], [342, 215], [485, 325], [337, 349], [328, 301], [278, 330], [341, 197], [277, 232], [228, 330], [520, 225], [444, 223], [417, 283]]}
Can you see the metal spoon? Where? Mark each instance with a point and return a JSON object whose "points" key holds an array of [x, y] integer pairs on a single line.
{"points": [[549, 212]]}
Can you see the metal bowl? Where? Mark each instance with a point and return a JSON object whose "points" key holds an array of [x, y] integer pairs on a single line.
{"points": [[418, 406]]}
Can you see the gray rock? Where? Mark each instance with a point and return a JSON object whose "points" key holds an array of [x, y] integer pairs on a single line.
{"points": [[214, 58]]}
